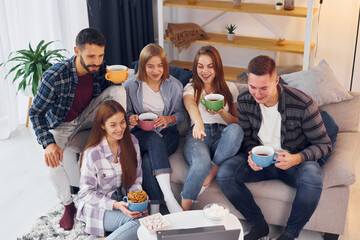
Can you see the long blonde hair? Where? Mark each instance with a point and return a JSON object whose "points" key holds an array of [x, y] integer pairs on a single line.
{"points": [[128, 156], [148, 52]]}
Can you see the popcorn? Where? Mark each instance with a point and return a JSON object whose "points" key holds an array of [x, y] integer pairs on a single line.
{"points": [[216, 211]]}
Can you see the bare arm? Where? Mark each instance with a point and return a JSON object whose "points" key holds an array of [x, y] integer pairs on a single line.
{"points": [[193, 110], [230, 117]]}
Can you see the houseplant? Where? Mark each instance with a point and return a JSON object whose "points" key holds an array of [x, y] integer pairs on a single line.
{"points": [[278, 5], [231, 28], [30, 64]]}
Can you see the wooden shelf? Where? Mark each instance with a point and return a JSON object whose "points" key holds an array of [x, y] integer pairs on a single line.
{"points": [[254, 43], [230, 73], [244, 7]]}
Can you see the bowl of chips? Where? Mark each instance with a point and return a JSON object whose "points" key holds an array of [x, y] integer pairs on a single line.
{"points": [[138, 200], [216, 212], [154, 222]]}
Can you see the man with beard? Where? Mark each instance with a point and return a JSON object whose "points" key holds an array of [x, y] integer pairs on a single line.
{"points": [[66, 102]]}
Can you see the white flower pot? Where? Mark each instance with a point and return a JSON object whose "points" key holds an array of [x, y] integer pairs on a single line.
{"points": [[231, 36], [278, 7]]}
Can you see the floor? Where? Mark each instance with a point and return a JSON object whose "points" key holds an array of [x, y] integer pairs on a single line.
{"points": [[27, 192]]}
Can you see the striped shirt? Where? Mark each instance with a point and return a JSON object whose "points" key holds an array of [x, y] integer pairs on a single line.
{"points": [[98, 181], [55, 97], [302, 128]]}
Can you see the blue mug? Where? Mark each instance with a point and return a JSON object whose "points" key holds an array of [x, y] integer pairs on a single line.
{"points": [[263, 156], [136, 206]]}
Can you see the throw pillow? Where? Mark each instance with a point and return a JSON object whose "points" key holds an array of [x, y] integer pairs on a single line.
{"points": [[319, 83], [182, 74]]}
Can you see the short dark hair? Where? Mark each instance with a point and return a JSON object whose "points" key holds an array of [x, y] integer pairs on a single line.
{"points": [[90, 36], [261, 65]]}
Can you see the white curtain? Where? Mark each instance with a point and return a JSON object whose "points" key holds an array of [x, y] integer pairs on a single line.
{"points": [[30, 21]]}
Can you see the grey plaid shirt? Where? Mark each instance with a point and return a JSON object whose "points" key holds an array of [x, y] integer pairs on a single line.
{"points": [[302, 128]]}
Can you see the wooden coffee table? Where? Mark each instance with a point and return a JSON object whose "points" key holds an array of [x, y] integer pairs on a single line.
{"points": [[191, 219]]}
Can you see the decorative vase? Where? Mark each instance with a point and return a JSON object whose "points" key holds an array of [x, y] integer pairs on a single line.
{"points": [[236, 3], [231, 36], [289, 4]]}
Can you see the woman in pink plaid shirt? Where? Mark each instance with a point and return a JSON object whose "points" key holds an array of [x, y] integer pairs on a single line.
{"points": [[110, 161]]}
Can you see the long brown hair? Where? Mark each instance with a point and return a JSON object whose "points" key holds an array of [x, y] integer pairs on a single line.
{"points": [[218, 84], [128, 156], [149, 51]]}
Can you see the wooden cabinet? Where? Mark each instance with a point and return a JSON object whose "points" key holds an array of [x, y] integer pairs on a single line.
{"points": [[297, 47]]}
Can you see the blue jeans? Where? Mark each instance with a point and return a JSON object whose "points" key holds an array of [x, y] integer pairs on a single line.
{"points": [[221, 142], [305, 177], [155, 151], [122, 226]]}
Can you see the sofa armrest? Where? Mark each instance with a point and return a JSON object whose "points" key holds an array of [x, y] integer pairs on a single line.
{"points": [[339, 170], [346, 113]]}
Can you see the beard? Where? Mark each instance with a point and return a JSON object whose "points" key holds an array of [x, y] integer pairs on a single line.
{"points": [[82, 62]]}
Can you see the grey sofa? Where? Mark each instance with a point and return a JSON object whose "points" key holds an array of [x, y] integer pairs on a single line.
{"points": [[275, 198]]}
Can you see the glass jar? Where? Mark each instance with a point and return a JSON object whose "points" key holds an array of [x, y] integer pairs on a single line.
{"points": [[289, 4]]}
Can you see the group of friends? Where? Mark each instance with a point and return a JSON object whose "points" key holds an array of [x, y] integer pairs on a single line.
{"points": [[120, 157]]}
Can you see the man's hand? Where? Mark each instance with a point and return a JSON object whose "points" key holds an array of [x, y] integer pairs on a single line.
{"points": [[123, 206], [53, 155], [252, 164], [133, 120], [287, 160]]}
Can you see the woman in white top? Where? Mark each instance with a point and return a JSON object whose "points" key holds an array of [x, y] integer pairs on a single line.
{"points": [[215, 136], [154, 90]]}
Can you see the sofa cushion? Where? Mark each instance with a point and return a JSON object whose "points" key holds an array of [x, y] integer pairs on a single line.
{"points": [[339, 169], [346, 114], [319, 83]]}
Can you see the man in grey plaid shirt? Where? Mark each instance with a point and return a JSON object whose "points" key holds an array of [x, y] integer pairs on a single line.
{"points": [[66, 102], [289, 121]]}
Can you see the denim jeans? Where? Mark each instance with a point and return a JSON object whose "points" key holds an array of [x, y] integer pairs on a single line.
{"points": [[155, 151], [305, 177], [221, 142], [121, 226]]}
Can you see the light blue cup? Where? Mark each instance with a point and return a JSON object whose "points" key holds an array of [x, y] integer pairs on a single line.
{"points": [[136, 206], [263, 156]]}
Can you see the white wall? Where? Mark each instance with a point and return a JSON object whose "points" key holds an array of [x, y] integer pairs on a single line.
{"points": [[335, 34]]}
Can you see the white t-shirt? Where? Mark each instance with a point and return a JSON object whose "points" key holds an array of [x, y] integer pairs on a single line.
{"points": [[207, 117], [270, 130], [152, 101]]}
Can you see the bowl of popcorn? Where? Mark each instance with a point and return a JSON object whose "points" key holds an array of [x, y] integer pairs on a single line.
{"points": [[154, 222], [216, 212]]}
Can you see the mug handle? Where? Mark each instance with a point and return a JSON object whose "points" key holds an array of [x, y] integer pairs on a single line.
{"points": [[125, 199], [202, 101], [274, 161], [107, 76], [127, 75]]}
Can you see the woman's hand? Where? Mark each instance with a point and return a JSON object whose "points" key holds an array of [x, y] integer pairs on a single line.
{"points": [[163, 121], [215, 112], [199, 131], [123, 206], [134, 120]]}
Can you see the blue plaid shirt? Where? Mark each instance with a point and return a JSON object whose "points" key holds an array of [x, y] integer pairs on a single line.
{"points": [[55, 96]]}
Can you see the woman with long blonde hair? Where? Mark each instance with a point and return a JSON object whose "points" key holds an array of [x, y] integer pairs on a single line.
{"points": [[215, 135], [110, 162], [154, 90]]}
